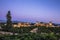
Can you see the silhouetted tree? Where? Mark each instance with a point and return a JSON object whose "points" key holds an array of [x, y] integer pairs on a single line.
{"points": [[9, 22]]}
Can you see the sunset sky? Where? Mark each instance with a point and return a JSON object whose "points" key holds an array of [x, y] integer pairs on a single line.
{"points": [[31, 10]]}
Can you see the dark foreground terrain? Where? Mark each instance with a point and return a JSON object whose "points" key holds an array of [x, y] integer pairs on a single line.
{"points": [[24, 33], [31, 36]]}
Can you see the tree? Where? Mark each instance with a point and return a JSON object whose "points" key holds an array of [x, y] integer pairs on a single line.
{"points": [[9, 22]]}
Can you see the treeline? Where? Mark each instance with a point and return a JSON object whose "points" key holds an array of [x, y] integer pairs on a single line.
{"points": [[28, 29], [49, 29]]}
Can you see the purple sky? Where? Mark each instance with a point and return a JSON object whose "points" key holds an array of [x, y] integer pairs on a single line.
{"points": [[31, 10]]}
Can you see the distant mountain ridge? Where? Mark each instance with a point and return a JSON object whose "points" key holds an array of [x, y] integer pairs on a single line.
{"points": [[3, 21]]}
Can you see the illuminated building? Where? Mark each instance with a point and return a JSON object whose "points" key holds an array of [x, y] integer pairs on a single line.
{"points": [[44, 24], [50, 24], [22, 24]]}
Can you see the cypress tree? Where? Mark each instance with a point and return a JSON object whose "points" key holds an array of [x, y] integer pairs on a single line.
{"points": [[9, 22]]}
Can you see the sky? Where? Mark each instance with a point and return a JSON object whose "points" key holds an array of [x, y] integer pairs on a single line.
{"points": [[31, 10]]}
